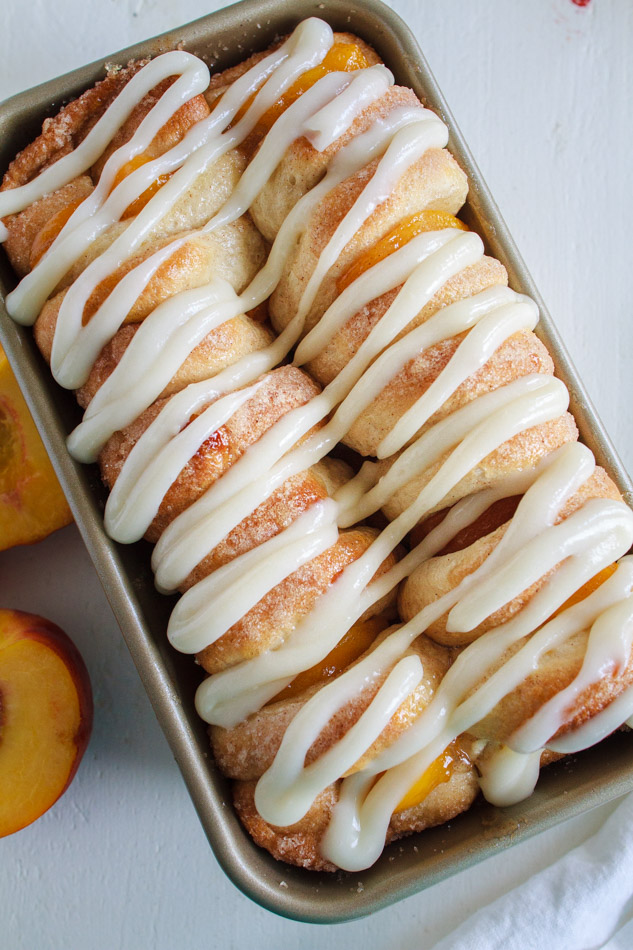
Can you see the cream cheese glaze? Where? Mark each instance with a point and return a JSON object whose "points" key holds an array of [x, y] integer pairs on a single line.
{"points": [[575, 549]]}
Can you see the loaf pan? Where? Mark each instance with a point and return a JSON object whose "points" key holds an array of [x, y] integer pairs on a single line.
{"points": [[564, 790]]}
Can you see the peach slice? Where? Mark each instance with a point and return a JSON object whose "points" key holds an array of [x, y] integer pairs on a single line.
{"points": [[342, 57], [48, 234], [139, 203], [32, 503], [588, 588], [440, 770], [45, 716], [358, 638], [405, 231]]}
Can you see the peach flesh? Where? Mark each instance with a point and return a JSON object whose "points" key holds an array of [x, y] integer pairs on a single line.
{"points": [[32, 503], [45, 716]]}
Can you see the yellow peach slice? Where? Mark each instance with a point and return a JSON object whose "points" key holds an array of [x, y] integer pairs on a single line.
{"points": [[46, 236], [342, 57], [403, 232], [139, 203], [591, 585], [357, 639], [32, 503], [439, 771]]}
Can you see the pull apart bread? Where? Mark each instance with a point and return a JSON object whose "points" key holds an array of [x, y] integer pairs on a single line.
{"points": [[238, 274]]}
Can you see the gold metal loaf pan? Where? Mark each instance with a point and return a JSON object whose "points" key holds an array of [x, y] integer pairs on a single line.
{"points": [[576, 785]]}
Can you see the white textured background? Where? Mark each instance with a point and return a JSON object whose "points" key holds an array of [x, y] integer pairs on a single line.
{"points": [[542, 90]]}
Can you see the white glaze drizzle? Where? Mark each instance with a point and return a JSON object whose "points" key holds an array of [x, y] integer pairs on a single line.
{"points": [[157, 350], [262, 470], [85, 443], [580, 546], [359, 846], [194, 79], [477, 658], [164, 450], [203, 521], [75, 348], [508, 777], [96, 213], [296, 786], [206, 611], [595, 729], [608, 652]]}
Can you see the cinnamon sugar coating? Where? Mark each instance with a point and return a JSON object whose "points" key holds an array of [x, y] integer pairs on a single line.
{"points": [[282, 390], [439, 575], [274, 618], [234, 253], [298, 844], [246, 750]]}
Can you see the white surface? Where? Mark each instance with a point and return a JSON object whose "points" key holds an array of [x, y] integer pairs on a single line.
{"points": [[542, 91]]}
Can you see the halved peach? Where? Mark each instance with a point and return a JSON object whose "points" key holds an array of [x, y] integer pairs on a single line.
{"points": [[32, 503], [45, 716]]}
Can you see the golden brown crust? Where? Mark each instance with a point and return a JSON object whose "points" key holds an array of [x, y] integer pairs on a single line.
{"points": [[24, 227], [520, 355], [302, 166], [282, 390], [435, 662], [247, 750], [487, 272], [435, 181], [524, 450], [64, 131], [221, 81], [296, 495], [221, 347], [554, 672], [274, 618], [445, 802], [296, 844], [299, 844]]}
